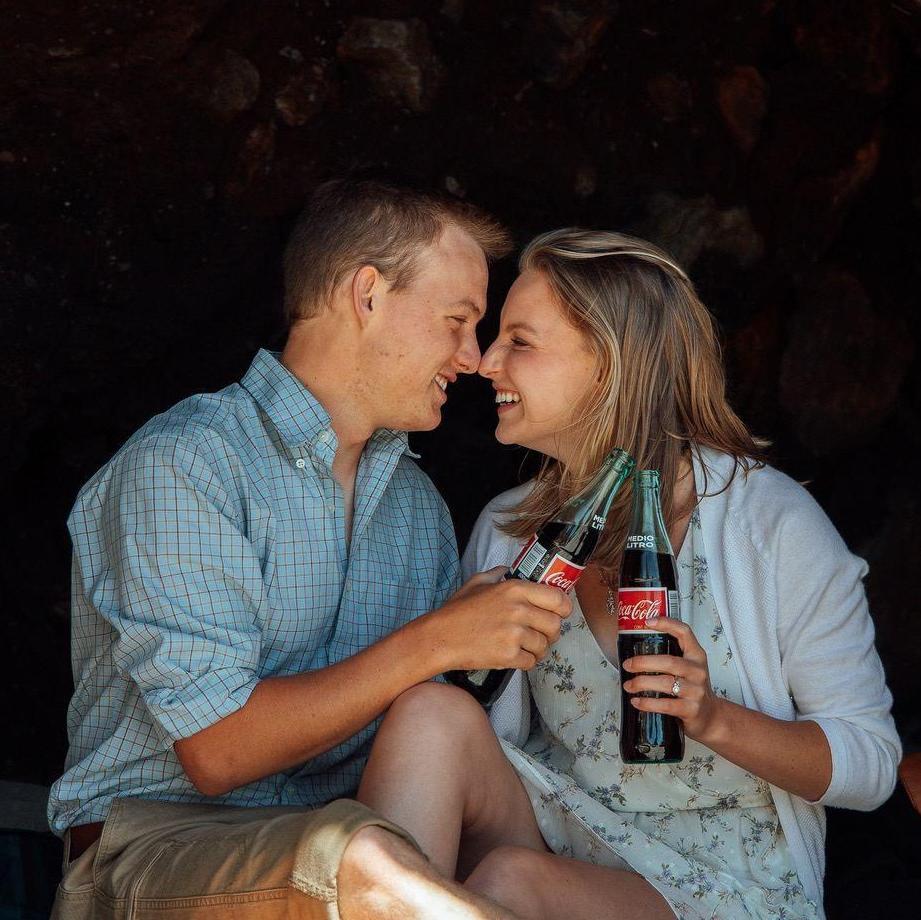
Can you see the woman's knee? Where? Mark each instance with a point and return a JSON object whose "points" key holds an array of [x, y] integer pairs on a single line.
{"points": [[512, 876], [437, 709]]}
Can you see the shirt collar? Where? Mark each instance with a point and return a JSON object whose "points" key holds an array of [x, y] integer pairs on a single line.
{"points": [[297, 414]]}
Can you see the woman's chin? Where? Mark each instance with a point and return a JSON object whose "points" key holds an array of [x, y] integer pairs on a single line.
{"points": [[506, 435], [503, 436]]}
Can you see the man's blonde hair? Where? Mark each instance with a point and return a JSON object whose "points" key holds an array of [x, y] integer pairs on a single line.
{"points": [[348, 224], [660, 379]]}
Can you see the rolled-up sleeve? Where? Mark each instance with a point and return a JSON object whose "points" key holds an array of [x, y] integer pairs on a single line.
{"points": [[830, 660], [164, 559]]}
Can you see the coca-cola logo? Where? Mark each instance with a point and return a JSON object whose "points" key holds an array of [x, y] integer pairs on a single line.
{"points": [[559, 580], [641, 610], [561, 573]]}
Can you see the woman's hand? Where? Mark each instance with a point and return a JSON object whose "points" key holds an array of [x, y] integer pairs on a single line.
{"points": [[793, 755], [696, 704]]}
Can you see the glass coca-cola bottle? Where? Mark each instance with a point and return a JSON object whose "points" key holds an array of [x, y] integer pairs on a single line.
{"points": [[557, 555], [648, 588]]}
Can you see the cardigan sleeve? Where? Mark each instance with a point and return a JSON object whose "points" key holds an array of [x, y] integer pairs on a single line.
{"points": [[828, 657], [510, 714]]}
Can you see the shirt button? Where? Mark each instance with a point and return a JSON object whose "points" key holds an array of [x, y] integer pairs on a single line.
{"points": [[300, 463]]}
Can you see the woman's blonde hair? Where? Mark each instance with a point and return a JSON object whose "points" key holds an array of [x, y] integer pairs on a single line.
{"points": [[661, 384]]}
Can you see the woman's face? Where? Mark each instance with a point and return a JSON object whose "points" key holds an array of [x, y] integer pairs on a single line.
{"points": [[540, 366]]}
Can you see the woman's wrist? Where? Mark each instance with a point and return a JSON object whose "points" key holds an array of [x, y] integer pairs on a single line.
{"points": [[718, 728]]}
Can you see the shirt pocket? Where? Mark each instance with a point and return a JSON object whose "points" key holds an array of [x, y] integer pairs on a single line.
{"points": [[374, 608]]}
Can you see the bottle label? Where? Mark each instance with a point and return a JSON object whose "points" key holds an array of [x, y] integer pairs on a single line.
{"points": [[561, 573], [641, 541], [529, 558], [636, 605]]}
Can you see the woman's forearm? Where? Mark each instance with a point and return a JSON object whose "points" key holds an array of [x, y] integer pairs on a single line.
{"points": [[793, 756]]}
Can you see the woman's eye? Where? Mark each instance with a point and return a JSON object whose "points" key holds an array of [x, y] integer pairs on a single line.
{"points": [[461, 319], [518, 342]]}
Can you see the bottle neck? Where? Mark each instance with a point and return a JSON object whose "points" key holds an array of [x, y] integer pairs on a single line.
{"points": [[647, 526], [591, 506]]}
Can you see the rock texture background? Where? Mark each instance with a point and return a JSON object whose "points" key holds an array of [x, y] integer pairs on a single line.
{"points": [[153, 156]]}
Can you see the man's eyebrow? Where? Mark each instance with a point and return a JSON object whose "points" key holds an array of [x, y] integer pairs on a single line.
{"points": [[470, 305]]}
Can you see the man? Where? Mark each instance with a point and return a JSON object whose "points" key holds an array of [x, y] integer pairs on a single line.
{"points": [[260, 572]]}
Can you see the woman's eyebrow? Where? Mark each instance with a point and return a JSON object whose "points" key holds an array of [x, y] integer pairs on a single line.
{"points": [[523, 327]]}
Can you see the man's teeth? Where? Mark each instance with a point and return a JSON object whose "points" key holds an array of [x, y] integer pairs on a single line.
{"points": [[441, 381], [507, 396]]}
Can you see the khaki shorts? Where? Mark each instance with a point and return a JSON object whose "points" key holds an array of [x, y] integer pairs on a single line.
{"points": [[164, 860]]}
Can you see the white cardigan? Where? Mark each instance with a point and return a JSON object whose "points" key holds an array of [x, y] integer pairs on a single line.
{"points": [[792, 602]]}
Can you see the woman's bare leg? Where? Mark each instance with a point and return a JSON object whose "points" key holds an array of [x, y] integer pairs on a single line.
{"points": [[541, 886], [437, 770], [382, 877]]}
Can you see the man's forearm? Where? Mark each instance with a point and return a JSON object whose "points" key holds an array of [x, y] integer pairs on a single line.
{"points": [[289, 720]]}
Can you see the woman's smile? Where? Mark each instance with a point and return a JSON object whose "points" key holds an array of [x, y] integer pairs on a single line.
{"points": [[506, 400]]}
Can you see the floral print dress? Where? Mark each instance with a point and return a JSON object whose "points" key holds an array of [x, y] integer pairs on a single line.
{"points": [[703, 832]]}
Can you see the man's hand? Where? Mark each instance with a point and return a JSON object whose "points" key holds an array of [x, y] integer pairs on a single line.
{"points": [[493, 623]]}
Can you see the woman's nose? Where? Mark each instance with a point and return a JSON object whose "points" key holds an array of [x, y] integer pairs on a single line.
{"points": [[490, 362]]}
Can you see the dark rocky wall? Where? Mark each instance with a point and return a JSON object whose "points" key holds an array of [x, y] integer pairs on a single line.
{"points": [[153, 155]]}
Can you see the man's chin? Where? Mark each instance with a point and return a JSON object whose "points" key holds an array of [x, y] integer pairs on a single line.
{"points": [[420, 422], [434, 417], [431, 426]]}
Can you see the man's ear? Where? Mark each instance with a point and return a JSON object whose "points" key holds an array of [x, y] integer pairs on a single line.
{"points": [[364, 283]]}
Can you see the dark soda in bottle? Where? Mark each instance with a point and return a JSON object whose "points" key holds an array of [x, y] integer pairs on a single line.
{"points": [[648, 588]]}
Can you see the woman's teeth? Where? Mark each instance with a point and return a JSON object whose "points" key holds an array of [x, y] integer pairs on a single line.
{"points": [[507, 396], [441, 381]]}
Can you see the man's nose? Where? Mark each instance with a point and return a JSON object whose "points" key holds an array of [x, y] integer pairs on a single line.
{"points": [[468, 356]]}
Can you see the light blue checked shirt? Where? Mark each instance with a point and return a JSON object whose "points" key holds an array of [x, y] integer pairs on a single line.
{"points": [[209, 553]]}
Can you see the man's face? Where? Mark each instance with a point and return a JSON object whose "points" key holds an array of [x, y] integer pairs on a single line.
{"points": [[423, 336]]}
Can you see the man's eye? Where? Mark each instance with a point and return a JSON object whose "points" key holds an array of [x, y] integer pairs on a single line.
{"points": [[461, 319], [519, 342]]}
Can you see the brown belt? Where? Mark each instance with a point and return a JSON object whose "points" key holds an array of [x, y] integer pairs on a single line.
{"points": [[82, 837]]}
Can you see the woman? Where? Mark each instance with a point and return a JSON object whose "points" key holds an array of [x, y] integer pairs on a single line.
{"points": [[603, 342]]}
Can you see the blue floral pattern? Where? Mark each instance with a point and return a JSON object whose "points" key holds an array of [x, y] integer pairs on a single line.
{"points": [[703, 832]]}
